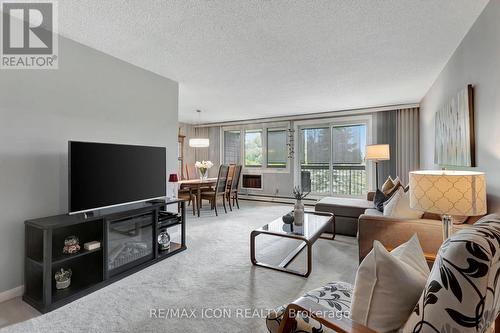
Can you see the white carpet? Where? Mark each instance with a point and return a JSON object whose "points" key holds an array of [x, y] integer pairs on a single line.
{"points": [[215, 272]]}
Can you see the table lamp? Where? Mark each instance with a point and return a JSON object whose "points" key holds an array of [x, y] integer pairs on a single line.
{"points": [[173, 179], [458, 193], [377, 153]]}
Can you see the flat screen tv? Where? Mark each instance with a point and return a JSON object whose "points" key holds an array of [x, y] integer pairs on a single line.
{"points": [[103, 175]]}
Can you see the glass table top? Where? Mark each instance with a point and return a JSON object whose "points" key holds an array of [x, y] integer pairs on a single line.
{"points": [[313, 224]]}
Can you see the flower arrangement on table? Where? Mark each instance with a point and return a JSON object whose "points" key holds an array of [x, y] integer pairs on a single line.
{"points": [[203, 167], [299, 194], [298, 210]]}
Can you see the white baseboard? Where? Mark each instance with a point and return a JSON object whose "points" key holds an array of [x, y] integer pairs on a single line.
{"points": [[12, 293], [269, 198]]}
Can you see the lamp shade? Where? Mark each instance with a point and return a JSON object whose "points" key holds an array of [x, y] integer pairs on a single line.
{"points": [[459, 193], [378, 152], [173, 178], [199, 142]]}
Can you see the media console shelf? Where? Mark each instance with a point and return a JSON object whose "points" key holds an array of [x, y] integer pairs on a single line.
{"points": [[128, 238]]}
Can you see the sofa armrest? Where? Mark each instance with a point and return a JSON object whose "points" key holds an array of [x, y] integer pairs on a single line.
{"points": [[392, 232]]}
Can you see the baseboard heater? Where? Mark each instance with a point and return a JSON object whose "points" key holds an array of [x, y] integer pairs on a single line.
{"points": [[275, 199]]}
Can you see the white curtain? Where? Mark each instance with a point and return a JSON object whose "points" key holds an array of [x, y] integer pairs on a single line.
{"points": [[407, 142]]}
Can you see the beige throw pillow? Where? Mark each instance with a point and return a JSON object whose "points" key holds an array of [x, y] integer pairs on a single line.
{"points": [[398, 206], [412, 254], [388, 285], [387, 186]]}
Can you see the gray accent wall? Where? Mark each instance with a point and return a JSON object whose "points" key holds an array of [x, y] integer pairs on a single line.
{"points": [[476, 61], [91, 97]]}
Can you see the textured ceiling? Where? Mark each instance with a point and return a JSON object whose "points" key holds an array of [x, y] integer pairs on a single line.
{"points": [[241, 59]]}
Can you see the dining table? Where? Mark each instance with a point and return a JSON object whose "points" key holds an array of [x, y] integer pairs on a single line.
{"points": [[196, 186]]}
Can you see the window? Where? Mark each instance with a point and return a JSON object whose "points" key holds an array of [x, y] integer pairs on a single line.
{"points": [[276, 148], [262, 148], [332, 159], [253, 148], [315, 159], [232, 147], [349, 144], [348, 169]]}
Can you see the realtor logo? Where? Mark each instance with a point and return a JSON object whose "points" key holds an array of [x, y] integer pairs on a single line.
{"points": [[29, 35]]}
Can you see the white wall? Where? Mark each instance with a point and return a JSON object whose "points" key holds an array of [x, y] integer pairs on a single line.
{"points": [[91, 97], [476, 61]]}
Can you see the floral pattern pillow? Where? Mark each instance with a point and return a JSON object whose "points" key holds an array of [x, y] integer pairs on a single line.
{"points": [[462, 294], [335, 295]]}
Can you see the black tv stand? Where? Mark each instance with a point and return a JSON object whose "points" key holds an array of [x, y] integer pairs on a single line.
{"points": [[88, 215], [94, 269]]}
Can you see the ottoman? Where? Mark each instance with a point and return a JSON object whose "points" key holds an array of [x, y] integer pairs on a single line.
{"points": [[346, 211]]}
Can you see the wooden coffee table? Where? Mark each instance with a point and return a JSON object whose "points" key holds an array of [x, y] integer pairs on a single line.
{"points": [[315, 224]]}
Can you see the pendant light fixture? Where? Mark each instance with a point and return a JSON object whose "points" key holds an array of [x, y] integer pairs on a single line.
{"points": [[198, 142]]}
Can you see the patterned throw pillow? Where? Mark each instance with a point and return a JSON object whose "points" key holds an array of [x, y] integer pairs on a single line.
{"points": [[335, 297], [462, 294]]}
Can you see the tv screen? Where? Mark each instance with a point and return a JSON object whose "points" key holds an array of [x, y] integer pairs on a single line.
{"points": [[103, 174]]}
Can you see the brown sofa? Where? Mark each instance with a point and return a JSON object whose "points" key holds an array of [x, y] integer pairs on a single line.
{"points": [[358, 217], [392, 232]]}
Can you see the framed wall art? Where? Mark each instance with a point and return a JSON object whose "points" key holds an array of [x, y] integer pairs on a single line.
{"points": [[454, 131]]}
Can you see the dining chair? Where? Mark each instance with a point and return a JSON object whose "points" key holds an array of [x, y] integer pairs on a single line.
{"points": [[187, 194], [219, 190], [191, 172], [229, 181], [230, 173], [233, 191]]}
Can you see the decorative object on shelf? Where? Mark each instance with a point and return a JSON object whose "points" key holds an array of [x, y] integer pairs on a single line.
{"points": [[454, 131], [63, 278], [198, 142], [172, 178], [449, 193], [290, 144], [298, 210], [203, 167], [288, 218], [89, 246], [164, 240], [71, 245], [377, 153]]}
